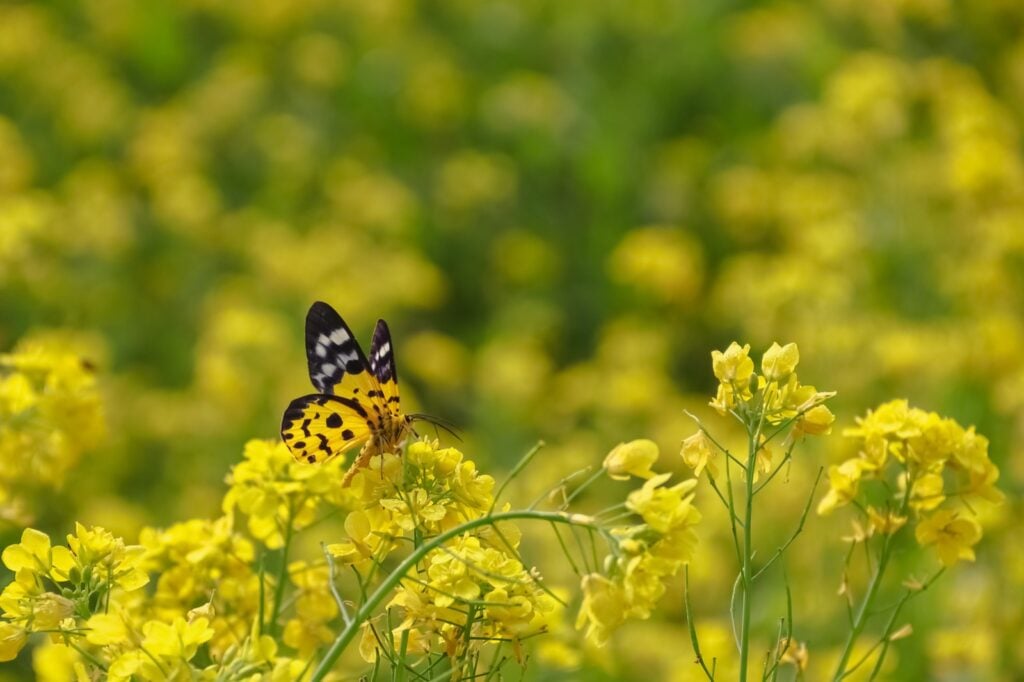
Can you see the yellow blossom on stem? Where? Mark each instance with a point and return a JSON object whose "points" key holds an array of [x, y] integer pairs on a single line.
{"points": [[843, 481], [631, 459], [953, 536], [663, 508], [817, 421], [699, 453], [12, 640], [885, 522], [604, 607], [779, 362], [733, 369]]}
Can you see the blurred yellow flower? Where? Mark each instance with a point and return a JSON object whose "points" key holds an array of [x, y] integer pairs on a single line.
{"points": [[953, 536], [779, 362], [661, 260], [12, 640], [604, 608], [631, 459], [698, 452], [663, 508]]}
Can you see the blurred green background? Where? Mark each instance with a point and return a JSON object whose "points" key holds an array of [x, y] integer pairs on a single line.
{"points": [[561, 208]]}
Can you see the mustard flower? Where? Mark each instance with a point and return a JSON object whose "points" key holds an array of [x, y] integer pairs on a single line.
{"points": [[604, 607], [844, 480], [779, 362], [631, 459], [698, 452], [275, 493], [733, 369], [12, 640], [933, 456], [885, 522], [953, 536], [199, 562], [51, 411], [663, 508]]}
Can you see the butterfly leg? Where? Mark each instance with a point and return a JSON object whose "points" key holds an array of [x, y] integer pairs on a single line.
{"points": [[362, 461]]}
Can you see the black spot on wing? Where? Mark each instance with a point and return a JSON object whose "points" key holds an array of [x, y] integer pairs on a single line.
{"points": [[333, 420]]}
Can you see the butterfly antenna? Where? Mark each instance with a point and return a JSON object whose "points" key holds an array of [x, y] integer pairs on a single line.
{"points": [[437, 423]]}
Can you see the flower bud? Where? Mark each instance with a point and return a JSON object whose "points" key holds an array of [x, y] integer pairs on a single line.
{"points": [[631, 459], [779, 362]]}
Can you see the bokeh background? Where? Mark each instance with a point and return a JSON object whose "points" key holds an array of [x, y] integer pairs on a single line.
{"points": [[561, 208]]}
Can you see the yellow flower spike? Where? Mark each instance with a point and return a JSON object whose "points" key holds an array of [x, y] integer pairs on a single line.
{"points": [[33, 553], [699, 453], [631, 459], [779, 362], [951, 535], [12, 640]]}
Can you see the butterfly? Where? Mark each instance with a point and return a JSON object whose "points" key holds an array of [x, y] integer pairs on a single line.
{"points": [[357, 403]]}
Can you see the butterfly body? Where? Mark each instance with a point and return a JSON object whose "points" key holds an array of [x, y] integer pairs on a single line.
{"points": [[357, 404]]}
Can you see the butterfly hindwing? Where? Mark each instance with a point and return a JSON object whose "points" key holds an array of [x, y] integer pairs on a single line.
{"points": [[318, 427], [331, 349], [382, 366]]}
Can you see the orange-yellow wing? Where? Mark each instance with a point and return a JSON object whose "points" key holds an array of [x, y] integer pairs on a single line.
{"points": [[318, 427]]}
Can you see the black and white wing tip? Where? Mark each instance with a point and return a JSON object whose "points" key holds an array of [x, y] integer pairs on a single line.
{"points": [[382, 357], [331, 348]]}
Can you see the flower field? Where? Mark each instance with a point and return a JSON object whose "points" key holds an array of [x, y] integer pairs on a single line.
{"points": [[704, 356]]}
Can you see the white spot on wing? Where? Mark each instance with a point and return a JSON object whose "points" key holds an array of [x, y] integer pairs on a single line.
{"points": [[339, 336]]}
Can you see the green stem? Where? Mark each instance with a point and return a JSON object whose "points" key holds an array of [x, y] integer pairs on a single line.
{"points": [[747, 568], [384, 590], [885, 641], [282, 574], [865, 608]]}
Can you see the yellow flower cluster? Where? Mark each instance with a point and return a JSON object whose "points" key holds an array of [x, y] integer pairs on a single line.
{"points": [[203, 564], [207, 593], [775, 397], [646, 553], [924, 460], [279, 495], [56, 588], [776, 393], [50, 413], [476, 581]]}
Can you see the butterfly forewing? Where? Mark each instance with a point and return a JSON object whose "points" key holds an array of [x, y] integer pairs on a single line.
{"points": [[332, 350], [318, 427], [382, 366]]}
